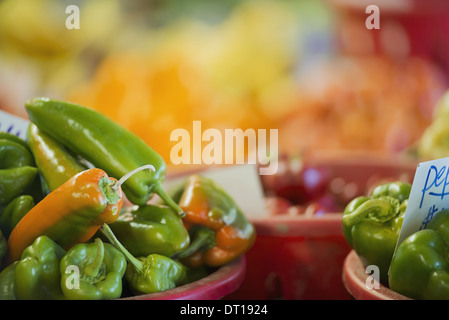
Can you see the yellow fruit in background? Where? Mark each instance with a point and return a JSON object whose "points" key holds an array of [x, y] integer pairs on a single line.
{"points": [[36, 28]]}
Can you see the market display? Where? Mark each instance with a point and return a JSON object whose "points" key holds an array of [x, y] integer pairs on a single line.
{"points": [[78, 218], [124, 184]]}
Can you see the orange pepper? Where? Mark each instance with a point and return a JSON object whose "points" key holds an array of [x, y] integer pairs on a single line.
{"points": [[70, 214], [220, 232]]}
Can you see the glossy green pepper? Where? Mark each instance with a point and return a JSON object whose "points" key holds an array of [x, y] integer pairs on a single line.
{"points": [[54, 162], [371, 225], [36, 275], [17, 169], [15, 211], [150, 274], [7, 283], [92, 271], [420, 266], [151, 229], [3, 246], [105, 144]]}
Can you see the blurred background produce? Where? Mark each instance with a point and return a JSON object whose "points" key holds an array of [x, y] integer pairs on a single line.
{"points": [[308, 68]]}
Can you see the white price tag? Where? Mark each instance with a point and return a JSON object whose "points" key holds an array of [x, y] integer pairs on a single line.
{"points": [[428, 196], [13, 124]]}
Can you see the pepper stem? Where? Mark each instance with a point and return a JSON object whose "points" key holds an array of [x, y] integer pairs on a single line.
{"points": [[380, 210], [129, 174], [92, 269], [168, 200], [203, 239], [107, 232]]}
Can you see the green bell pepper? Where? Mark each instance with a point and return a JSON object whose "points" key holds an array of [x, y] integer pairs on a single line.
{"points": [[420, 266], [17, 168], [7, 283], [98, 274], [150, 274], [151, 229], [36, 275], [105, 144], [371, 225], [15, 211]]}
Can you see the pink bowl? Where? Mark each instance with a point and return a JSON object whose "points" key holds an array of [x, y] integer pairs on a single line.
{"points": [[354, 279], [215, 286]]}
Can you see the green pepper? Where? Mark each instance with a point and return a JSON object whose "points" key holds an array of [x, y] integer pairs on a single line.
{"points": [[151, 229], [36, 275], [17, 169], [105, 144], [7, 283], [98, 272], [154, 273], [3, 246], [420, 266], [54, 162], [14, 212], [13, 138], [371, 225]]}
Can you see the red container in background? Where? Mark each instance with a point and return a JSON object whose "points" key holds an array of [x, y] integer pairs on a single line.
{"points": [[302, 257], [407, 28], [296, 258]]}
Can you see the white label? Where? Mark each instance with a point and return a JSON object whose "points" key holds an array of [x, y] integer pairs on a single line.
{"points": [[13, 124], [428, 196]]}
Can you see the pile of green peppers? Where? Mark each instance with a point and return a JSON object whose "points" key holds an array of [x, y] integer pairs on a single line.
{"points": [[419, 266], [134, 255], [19, 184]]}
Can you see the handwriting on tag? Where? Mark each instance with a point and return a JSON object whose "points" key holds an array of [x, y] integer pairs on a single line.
{"points": [[13, 124], [429, 195]]}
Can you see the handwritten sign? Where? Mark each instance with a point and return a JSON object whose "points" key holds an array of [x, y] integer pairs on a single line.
{"points": [[428, 196]]}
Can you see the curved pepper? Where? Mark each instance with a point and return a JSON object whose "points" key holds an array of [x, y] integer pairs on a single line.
{"points": [[224, 232], [105, 144], [14, 138], [70, 214], [54, 162], [99, 275], [371, 225], [36, 275], [151, 229], [420, 266], [17, 169], [14, 212], [150, 274]]}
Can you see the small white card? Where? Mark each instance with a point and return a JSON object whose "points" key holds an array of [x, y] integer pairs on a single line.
{"points": [[13, 124], [428, 196]]}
